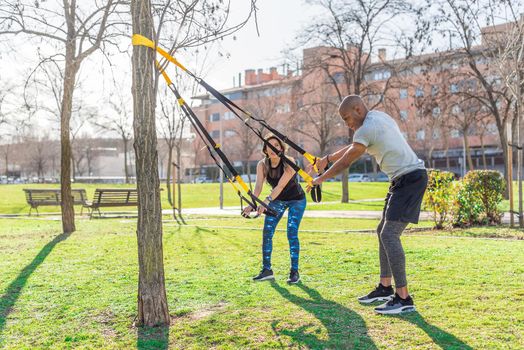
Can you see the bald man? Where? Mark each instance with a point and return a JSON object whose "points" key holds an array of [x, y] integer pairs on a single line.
{"points": [[378, 134]]}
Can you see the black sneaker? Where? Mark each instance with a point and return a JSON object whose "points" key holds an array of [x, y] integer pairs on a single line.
{"points": [[264, 275], [380, 293], [294, 276], [396, 306]]}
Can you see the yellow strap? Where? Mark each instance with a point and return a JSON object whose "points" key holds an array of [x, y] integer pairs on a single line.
{"points": [[143, 41], [306, 177], [310, 158], [181, 101], [164, 74], [242, 183], [217, 145]]}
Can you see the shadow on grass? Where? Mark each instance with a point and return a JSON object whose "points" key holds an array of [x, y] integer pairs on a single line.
{"points": [[150, 338], [346, 329], [441, 338], [12, 293]]}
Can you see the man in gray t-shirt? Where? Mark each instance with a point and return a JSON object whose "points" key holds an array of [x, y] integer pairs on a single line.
{"points": [[379, 135]]}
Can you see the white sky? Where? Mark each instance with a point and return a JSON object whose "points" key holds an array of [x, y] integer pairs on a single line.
{"points": [[279, 22]]}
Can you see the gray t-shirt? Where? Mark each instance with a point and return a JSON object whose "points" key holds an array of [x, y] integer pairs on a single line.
{"points": [[384, 141]]}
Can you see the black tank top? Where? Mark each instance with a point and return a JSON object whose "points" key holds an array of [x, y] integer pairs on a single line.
{"points": [[292, 191]]}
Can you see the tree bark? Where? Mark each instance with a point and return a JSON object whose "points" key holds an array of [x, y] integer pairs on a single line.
{"points": [[468, 151], [126, 170], [179, 180], [170, 199], [152, 300], [71, 68]]}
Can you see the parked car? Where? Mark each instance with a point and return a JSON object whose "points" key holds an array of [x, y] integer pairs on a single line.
{"points": [[358, 178], [380, 177], [201, 180]]}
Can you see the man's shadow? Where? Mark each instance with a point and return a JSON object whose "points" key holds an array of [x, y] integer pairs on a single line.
{"points": [[346, 329], [12, 292], [441, 338]]}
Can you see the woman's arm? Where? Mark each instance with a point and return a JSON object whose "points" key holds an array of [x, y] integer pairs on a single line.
{"points": [[286, 176], [261, 177]]}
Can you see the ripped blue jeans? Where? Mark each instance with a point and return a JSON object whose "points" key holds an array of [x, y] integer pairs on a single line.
{"points": [[296, 211]]}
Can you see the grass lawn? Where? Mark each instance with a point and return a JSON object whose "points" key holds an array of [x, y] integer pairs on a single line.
{"points": [[12, 197], [79, 290]]}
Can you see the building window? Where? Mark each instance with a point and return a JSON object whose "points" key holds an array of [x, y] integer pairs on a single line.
{"points": [[228, 115], [403, 115], [284, 108], [338, 77], [436, 134], [421, 135], [455, 109], [214, 117], [453, 88], [434, 90], [436, 111], [419, 92], [492, 129], [215, 134], [230, 133], [455, 133], [403, 93]]}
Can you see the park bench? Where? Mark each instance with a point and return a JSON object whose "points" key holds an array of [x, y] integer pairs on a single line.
{"points": [[112, 197], [39, 197]]}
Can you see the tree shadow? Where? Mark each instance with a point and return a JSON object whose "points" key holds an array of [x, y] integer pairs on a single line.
{"points": [[346, 329], [156, 338], [440, 337], [12, 292]]}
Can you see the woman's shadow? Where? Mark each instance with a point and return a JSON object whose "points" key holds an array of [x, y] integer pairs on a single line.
{"points": [[346, 329]]}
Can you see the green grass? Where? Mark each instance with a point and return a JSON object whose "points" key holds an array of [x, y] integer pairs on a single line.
{"points": [[79, 291], [12, 197]]}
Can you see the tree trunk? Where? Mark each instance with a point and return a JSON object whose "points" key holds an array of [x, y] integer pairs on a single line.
{"points": [[71, 68], [345, 175], [504, 144], [7, 160], [74, 166], [468, 151], [170, 198], [179, 180], [345, 187], [152, 300], [483, 150], [126, 170]]}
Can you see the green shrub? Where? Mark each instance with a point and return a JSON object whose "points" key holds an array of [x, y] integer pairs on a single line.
{"points": [[487, 186], [466, 207], [438, 197]]}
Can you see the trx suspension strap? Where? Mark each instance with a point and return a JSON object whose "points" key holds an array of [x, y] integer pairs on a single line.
{"points": [[211, 146], [316, 192]]}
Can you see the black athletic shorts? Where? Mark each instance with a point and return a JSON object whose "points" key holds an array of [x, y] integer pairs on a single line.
{"points": [[404, 197]]}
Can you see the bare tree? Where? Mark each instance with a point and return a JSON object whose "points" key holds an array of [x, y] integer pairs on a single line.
{"points": [[510, 44], [172, 125], [463, 22], [317, 117], [195, 23], [351, 31], [118, 121], [265, 108], [76, 30]]}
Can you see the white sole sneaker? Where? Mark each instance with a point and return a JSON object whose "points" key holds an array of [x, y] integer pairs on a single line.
{"points": [[397, 311], [373, 300], [267, 278]]}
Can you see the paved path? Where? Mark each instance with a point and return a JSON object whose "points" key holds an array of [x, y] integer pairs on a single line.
{"points": [[235, 211]]}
